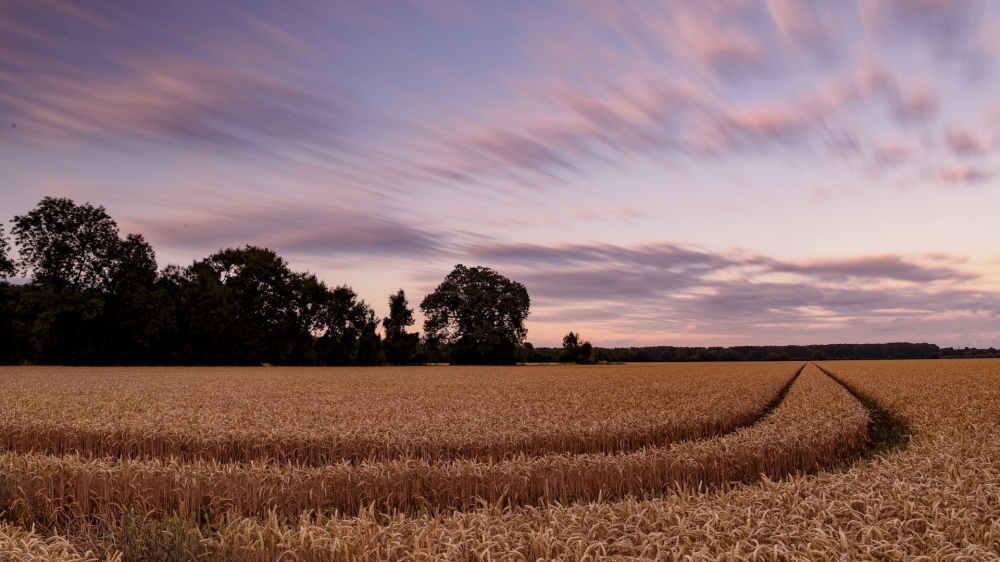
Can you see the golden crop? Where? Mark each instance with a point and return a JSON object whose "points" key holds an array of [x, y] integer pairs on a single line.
{"points": [[817, 423], [322, 416], [939, 498]]}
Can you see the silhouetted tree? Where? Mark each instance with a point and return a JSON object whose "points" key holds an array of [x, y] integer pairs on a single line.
{"points": [[78, 267], [574, 350], [8, 353], [7, 268], [244, 306], [135, 316], [347, 330], [64, 245], [479, 314], [400, 345]]}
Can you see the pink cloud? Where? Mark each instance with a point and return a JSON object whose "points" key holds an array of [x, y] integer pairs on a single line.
{"points": [[892, 151], [652, 292], [963, 174], [107, 80], [723, 47], [964, 142]]}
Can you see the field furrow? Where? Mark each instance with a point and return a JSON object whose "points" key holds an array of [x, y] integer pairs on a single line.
{"points": [[817, 424], [316, 417]]}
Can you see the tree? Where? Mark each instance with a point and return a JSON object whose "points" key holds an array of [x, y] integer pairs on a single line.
{"points": [[7, 267], [347, 330], [400, 345], [64, 245], [478, 313], [244, 306], [7, 344], [93, 297], [136, 312], [575, 350]]}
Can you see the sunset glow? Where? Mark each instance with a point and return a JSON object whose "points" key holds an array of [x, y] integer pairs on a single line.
{"points": [[727, 172]]}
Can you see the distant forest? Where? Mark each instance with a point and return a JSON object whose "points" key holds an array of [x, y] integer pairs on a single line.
{"points": [[92, 297], [899, 350]]}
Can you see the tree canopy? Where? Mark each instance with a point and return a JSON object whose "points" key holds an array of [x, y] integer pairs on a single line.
{"points": [[67, 245], [7, 267], [575, 350], [401, 347], [479, 314], [93, 297]]}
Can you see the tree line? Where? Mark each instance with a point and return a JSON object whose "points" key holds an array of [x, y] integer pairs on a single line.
{"points": [[93, 297], [898, 350]]}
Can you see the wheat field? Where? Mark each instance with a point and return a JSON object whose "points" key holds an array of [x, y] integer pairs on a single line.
{"points": [[893, 460], [322, 416]]}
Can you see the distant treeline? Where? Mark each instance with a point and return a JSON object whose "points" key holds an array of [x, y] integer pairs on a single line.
{"points": [[901, 350]]}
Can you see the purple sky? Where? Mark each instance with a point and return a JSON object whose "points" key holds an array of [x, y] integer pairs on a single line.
{"points": [[690, 173]]}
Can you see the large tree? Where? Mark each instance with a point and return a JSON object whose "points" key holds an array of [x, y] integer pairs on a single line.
{"points": [[479, 314], [65, 245], [89, 298], [400, 345], [244, 306], [239, 306], [347, 330]]}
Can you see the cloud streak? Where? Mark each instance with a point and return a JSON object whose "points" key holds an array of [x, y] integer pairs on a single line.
{"points": [[661, 292], [331, 233], [89, 73]]}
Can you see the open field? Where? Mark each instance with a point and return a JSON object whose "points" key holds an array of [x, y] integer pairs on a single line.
{"points": [[321, 416], [822, 498]]}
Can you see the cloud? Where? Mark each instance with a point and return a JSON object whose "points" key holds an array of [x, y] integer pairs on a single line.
{"points": [[964, 142], [892, 151], [689, 80], [963, 174], [657, 292], [96, 73], [675, 80], [314, 231], [947, 25], [888, 267], [652, 269]]}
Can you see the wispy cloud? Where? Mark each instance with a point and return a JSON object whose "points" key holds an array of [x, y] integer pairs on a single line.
{"points": [[331, 232], [667, 291], [963, 174], [964, 142], [76, 73]]}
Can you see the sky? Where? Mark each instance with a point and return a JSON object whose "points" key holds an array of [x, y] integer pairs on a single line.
{"points": [[731, 172]]}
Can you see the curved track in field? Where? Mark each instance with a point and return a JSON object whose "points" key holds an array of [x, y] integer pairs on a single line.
{"points": [[886, 430], [24, 436], [814, 424]]}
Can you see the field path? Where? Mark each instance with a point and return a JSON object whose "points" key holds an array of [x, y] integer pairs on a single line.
{"points": [[319, 417], [817, 424]]}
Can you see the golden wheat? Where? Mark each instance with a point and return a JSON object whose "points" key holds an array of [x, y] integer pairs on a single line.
{"points": [[322, 416], [21, 545], [939, 499], [818, 423]]}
